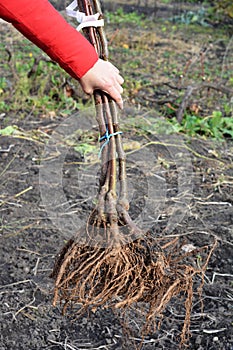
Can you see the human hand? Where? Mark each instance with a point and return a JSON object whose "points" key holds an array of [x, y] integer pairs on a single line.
{"points": [[104, 76]]}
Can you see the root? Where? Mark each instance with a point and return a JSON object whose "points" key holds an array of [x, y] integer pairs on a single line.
{"points": [[123, 277]]}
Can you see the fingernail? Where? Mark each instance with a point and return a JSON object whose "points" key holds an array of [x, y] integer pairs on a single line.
{"points": [[121, 105]]}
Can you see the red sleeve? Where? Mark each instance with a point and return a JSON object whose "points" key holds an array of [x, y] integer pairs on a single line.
{"points": [[45, 27]]}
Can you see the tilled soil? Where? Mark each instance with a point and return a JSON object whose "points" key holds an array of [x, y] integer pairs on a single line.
{"points": [[29, 242]]}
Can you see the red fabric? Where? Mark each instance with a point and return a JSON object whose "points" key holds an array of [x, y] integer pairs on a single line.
{"points": [[44, 26]]}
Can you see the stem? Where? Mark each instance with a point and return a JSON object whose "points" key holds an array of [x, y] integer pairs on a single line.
{"points": [[111, 146], [102, 128], [122, 201], [90, 32]]}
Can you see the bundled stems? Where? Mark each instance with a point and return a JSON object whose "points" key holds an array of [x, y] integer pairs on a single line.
{"points": [[107, 118]]}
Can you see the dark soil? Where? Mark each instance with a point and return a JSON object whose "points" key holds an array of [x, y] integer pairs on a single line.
{"points": [[193, 200], [29, 242]]}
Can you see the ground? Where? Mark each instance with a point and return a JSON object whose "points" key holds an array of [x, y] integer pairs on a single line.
{"points": [[179, 186]]}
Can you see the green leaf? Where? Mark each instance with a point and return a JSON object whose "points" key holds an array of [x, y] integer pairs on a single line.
{"points": [[85, 148], [227, 132], [9, 130], [216, 119]]}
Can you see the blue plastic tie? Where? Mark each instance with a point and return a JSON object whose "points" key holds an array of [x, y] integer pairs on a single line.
{"points": [[107, 137]]}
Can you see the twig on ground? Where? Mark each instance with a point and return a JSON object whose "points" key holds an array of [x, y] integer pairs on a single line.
{"points": [[213, 331], [220, 275], [16, 283], [165, 144]]}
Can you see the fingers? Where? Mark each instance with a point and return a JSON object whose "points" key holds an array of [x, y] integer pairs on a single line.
{"points": [[115, 89], [106, 77], [115, 93], [120, 79]]}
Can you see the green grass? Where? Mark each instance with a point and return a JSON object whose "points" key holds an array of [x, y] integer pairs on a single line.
{"points": [[121, 17], [214, 126]]}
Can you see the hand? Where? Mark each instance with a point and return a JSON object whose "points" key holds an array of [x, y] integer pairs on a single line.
{"points": [[104, 76]]}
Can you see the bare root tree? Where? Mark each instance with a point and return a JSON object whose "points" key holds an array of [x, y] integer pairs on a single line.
{"points": [[111, 262]]}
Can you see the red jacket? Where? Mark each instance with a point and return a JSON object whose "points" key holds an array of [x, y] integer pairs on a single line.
{"points": [[44, 26]]}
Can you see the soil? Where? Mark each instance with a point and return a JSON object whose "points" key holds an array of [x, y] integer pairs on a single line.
{"points": [[193, 199]]}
